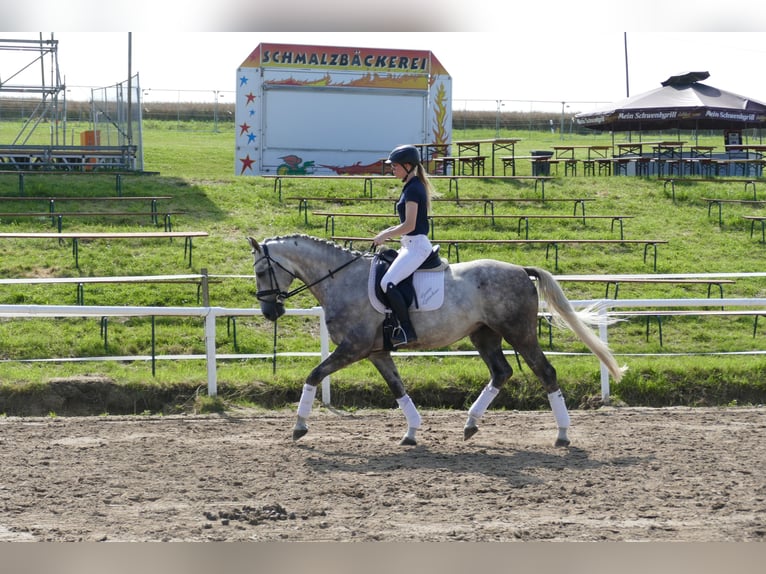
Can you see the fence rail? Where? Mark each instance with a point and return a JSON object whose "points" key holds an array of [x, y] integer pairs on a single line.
{"points": [[210, 314]]}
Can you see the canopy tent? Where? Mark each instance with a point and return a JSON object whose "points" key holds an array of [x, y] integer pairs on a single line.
{"points": [[681, 103]]}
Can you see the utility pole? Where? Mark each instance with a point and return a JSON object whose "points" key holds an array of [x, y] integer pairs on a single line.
{"points": [[130, 88], [497, 118], [561, 127], [627, 80]]}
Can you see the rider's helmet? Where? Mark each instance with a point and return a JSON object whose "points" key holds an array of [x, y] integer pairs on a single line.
{"points": [[404, 154]]}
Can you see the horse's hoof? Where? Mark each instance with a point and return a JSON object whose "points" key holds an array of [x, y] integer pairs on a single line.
{"points": [[298, 433], [407, 441], [468, 432], [561, 442]]}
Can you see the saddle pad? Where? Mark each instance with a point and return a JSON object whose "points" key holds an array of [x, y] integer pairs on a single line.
{"points": [[429, 291]]}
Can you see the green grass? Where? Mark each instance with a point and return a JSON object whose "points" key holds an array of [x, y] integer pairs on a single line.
{"points": [[196, 168]]}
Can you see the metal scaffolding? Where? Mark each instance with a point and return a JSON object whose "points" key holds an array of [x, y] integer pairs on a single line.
{"points": [[25, 56], [114, 119]]}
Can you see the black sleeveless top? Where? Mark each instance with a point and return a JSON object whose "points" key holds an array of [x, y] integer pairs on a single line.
{"points": [[414, 190]]}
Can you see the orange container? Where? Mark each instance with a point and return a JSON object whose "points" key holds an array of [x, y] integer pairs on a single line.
{"points": [[90, 137]]}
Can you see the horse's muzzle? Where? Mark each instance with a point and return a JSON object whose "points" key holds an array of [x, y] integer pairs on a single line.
{"points": [[272, 310]]}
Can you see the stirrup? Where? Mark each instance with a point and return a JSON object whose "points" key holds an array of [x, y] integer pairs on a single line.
{"points": [[398, 337]]}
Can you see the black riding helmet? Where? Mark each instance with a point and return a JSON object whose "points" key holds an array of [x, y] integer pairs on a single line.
{"points": [[405, 154]]}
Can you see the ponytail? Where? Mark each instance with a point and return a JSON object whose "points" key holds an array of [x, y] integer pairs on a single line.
{"points": [[422, 175]]}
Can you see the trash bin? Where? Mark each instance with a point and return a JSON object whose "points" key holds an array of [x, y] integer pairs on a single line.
{"points": [[541, 166]]}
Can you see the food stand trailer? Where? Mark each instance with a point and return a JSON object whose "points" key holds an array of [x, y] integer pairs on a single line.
{"points": [[335, 110]]}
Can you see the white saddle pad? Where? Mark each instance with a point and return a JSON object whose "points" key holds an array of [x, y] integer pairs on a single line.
{"points": [[429, 291]]}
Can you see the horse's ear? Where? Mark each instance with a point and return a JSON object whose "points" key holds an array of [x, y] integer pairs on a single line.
{"points": [[254, 244]]}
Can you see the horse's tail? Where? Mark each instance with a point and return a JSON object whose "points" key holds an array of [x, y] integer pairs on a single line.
{"points": [[577, 321]]}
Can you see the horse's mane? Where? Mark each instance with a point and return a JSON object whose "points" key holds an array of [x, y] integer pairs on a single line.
{"points": [[318, 240]]}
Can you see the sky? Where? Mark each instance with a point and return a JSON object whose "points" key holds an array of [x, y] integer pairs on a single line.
{"points": [[533, 62]]}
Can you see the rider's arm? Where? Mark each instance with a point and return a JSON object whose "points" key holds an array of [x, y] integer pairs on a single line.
{"points": [[410, 218]]}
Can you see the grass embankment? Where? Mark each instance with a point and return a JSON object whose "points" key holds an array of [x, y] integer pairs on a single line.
{"points": [[197, 170]]}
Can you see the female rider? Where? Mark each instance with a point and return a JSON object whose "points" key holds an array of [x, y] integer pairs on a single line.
{"points": [[413, 208]]}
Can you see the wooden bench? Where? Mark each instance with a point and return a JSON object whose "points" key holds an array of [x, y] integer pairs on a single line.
{"points": [[525, 219], [522, 218], [51, 201], [473, 162], [77, 236], [609, 165], [622, 162], [57, 218], [733, 164], [369, 179], [711, 201], [658, 314], [118, 176], [604, 165], [489, 202], [201, 280], [616, 281], [752, 219], [672, 181], [456, 243], [538, 163], [68, 158], [456, 179]]}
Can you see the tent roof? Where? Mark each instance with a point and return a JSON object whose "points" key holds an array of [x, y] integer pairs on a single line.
{"points": [[681, 102]]}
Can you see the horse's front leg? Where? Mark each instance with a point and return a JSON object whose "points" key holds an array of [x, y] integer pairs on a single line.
{"points": [[345, 354], [387, 368]]}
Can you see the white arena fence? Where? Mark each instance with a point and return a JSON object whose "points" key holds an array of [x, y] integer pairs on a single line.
{"points": [[209, 314], [606, 307]]}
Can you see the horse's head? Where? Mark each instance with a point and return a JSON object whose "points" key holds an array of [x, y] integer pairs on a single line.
{"points": [[272, 280]]}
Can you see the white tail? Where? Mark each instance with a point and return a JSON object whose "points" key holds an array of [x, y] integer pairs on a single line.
{"points": [[578, 321]]}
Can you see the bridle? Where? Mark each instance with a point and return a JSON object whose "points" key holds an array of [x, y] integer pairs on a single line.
{"points": [[281, 295]]}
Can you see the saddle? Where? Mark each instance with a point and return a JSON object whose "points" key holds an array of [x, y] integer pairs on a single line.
{"points": [[409, 288], [383, 260]]}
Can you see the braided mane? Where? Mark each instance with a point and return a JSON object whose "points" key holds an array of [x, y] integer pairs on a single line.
{"points": [[317, 240]]}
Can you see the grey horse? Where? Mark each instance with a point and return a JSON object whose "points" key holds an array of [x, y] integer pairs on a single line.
{"points": [[486, 300]]}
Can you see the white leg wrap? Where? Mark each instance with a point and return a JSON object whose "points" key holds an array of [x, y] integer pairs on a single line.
{"points": [[559, 407], [480, 405], [410, 411], [307, 400]]}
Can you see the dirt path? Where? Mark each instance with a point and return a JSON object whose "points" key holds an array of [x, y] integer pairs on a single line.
{"points": [[631, 474]]}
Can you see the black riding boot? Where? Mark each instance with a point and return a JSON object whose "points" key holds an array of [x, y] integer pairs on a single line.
{"points": [[405, 333]]}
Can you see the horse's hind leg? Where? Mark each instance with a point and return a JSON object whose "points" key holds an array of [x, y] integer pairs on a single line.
{"points": [[387, 368], [489, 345], [534, 357]]}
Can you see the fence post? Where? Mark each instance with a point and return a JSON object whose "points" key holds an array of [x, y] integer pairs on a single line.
{"points": [[602, 333], [212, 376], [324, 348], [204, 287]]}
